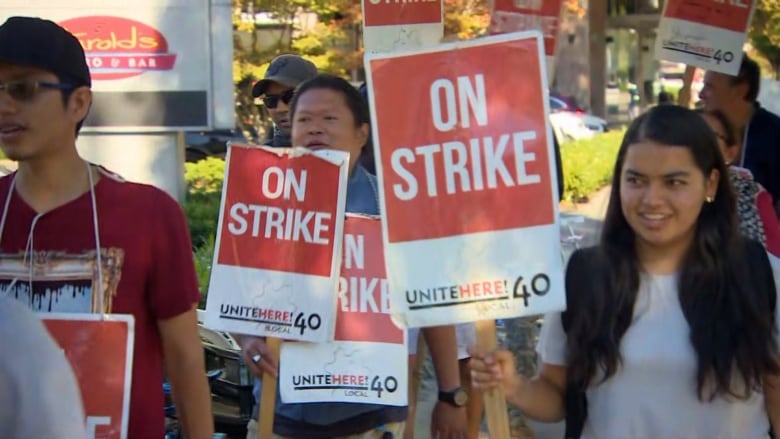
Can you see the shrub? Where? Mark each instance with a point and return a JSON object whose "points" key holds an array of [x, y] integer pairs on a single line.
{"points": [[204, 190], [204, 256], [588, 164]]}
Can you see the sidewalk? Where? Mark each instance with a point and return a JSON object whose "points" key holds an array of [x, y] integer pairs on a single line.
{"points": [[595, 208]]}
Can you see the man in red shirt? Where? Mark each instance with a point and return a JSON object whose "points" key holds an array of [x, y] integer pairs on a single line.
{"points": [[68, 226]]}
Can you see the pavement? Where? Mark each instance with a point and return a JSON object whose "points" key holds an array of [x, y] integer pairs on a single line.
{"points": [[594, 208]]}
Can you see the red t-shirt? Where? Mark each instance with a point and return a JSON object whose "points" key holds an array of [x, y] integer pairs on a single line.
{"points": [[147, 258]]}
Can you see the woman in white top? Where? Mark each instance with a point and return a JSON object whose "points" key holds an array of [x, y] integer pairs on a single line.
{"points": [[671, 319]]}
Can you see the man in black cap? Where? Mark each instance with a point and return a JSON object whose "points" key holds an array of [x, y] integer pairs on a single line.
{"points": [[128, 242], [277, 87]]}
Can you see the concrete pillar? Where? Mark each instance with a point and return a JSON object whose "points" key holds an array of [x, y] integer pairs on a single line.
{"points": [[639, 74], [597, 20], [156, 159]]}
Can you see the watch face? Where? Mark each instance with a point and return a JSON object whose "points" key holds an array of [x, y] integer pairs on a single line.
{"points": [[461, 397]]}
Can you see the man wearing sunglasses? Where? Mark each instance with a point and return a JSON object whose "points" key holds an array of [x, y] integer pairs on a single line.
{"points": [[126, 245], [276, 88]]}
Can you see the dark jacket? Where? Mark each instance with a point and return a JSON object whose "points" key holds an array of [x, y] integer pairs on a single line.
{"points": [[762, 150], [279, 140]]}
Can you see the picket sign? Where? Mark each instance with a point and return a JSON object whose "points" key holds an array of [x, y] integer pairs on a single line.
{"points": [[99, 348], [709, 36], [366, 363], [390, 26], [278, 249], [524, 15], [467, 182]]}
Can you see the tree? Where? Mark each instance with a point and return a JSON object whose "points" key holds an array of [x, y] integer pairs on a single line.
{"points": [[329, 44], [575, 7], [765, 32], [324, 31], [465, 19], [334, 43]]}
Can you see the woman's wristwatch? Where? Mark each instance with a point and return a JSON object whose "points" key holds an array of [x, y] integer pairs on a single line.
{"points": [[456, 397]]}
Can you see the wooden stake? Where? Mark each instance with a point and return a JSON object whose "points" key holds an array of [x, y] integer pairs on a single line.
{"points": [[268, 396], [686, 92], [496, 415]]}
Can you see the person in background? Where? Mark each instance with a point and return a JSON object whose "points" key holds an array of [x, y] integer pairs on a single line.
{"points": [[754, 128], [757, 218], [276, 89], [327, 112], [670, 329]]}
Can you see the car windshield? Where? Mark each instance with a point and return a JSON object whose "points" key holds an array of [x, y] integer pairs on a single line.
{"points": [[557, 104]]}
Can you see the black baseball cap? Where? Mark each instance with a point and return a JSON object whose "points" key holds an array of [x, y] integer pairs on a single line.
{"points": [[289, 70], [43, 44]]}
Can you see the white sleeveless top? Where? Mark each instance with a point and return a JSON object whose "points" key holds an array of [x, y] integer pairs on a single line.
{"points": [[653, 395]]}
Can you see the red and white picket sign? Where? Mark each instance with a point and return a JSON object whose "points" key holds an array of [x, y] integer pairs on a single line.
{"points": [[467, 178], [707, 34], [100, 351], [279, 237], [389, 25], [524, 15], [367, 361]]}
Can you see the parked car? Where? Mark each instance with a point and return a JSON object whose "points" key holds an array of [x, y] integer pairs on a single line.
{"points": [[562, 103], [571, 122], [200, 145], [230, 381]]}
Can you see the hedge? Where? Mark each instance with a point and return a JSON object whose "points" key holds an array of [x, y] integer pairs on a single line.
{"points": [[204, 190], [588, 164]]}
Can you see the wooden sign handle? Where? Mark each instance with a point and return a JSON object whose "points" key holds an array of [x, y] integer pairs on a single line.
{"points": [[496, 415], [268, 396]]}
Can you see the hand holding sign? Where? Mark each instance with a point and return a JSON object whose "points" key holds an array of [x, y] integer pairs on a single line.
{"points": [[471, 227]]}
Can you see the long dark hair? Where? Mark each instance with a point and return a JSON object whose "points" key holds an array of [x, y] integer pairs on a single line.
{"points": [[731, 330]]}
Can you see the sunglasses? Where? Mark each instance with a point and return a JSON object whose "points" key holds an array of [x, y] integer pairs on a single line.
{"points": [[26, 89], [272, 101]]}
